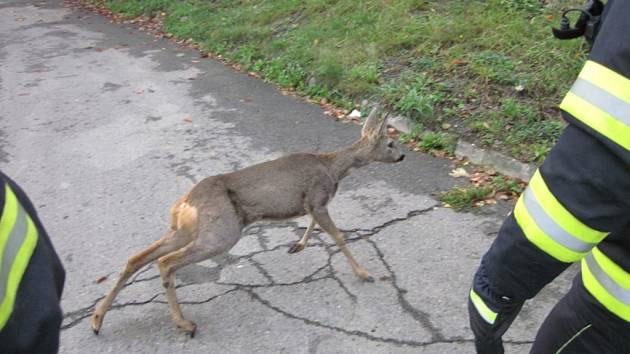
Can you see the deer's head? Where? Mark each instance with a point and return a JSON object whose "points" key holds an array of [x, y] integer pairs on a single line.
{"points": [[375, 144]]}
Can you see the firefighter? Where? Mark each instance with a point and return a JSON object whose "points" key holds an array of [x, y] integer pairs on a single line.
{"points": [[31, 277], [575, 209]]}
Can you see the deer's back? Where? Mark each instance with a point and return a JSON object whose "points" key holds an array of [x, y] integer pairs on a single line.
{"points": [[278, 189]]}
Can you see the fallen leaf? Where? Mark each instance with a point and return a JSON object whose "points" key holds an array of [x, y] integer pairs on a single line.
{"points": [[101, 279], [446, 126], [459, 62], [502, 196], [188, 120], [459, 172], [440, 153], [139, 92], [355, 114]]}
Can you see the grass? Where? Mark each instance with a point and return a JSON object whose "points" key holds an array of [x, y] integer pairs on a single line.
{"points": [[489, 68], [465, 198], [497, 187]]}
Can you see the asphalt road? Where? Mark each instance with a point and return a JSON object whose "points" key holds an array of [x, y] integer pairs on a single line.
{"points": [[105, 127]]}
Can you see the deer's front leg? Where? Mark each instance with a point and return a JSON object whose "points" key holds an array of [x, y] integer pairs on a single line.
{"points": [[299, 246], [320, 215]]}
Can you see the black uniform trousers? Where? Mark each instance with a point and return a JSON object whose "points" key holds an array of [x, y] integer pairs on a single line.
{"points": [[583, 173], [34, 324]]}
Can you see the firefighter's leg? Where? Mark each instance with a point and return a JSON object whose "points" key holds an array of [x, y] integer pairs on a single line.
{"points": [[578, 324], [576, 198], [489, 327]]}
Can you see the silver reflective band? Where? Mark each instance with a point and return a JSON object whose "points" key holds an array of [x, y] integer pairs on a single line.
{"points": [[603, 100], [614, 289], [11, 248], [550, 227]]}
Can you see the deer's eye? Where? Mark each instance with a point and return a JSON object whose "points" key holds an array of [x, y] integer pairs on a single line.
{"points": [[390, 144]]}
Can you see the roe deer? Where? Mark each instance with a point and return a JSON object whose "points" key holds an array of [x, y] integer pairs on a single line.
{"points": [[208, 220]]}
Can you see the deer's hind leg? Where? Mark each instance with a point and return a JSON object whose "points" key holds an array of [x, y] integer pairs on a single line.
{"points": [[172, 241], [218, 231]]}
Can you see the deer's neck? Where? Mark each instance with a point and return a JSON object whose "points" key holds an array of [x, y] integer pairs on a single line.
{"points": [[344, 160]]}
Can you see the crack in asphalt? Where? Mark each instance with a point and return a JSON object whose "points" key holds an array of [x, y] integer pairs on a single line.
{"points": [[362, 334], [421, 317]]}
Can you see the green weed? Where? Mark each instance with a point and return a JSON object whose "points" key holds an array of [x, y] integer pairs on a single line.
{"points": [[437, 141], [465, 198]]}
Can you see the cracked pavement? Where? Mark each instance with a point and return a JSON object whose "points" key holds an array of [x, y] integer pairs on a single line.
{"points": [[105, 127]]}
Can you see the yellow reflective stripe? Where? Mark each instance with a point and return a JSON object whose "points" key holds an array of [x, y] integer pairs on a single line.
{"points": [[7, 220], [539, 238], [604, 105], [607, 79], [614, 271], [553, 229], [486, 313], [561, 215], [597, 119], [21, 258], [598, 290]]}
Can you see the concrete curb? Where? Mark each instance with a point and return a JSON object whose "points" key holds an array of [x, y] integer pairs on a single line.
{"points": [[501, 163]]}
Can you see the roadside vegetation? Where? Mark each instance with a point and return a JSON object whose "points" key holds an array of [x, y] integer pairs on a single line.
{"points": [[487, 71]]}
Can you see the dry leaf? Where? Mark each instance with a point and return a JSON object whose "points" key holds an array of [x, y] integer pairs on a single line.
{"points": [[355, 114], [101, 279], [502, 196], [188, 119], [459, 172]]}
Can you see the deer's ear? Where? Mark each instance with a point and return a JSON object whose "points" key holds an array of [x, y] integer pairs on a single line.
{"points": [[372, 125], [383, 125]]}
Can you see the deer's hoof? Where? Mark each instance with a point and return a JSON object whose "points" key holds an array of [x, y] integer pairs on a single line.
{"points": [[97, 321], [296, 247], [365, 276], [189, 327]]}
